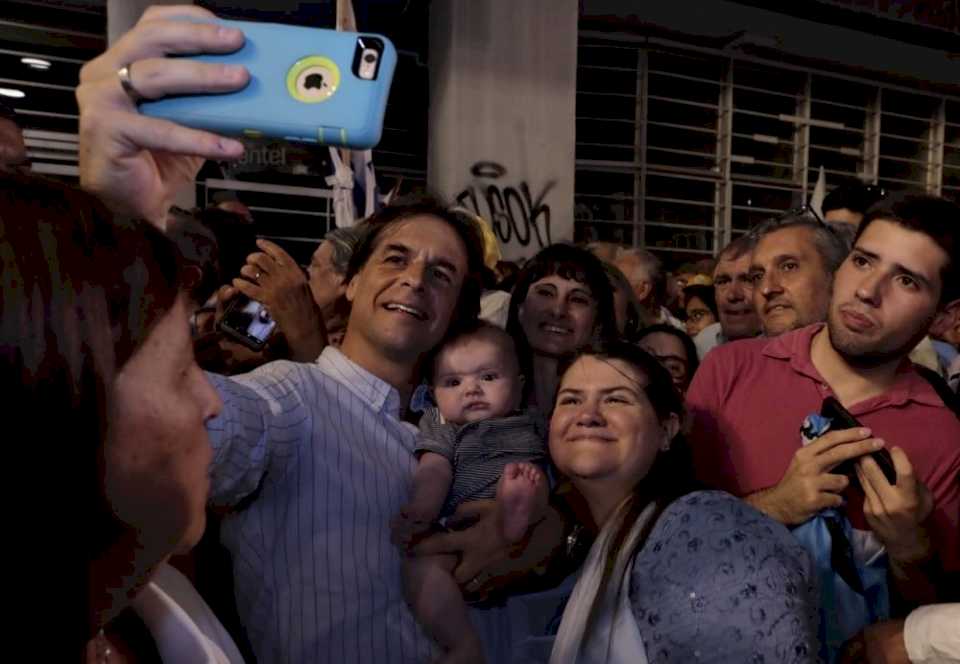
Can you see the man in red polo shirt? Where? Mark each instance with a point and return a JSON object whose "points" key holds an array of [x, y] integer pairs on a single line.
{"points": [[749, 399]]}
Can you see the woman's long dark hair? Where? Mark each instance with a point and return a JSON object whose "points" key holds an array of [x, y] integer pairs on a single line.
{"points": [[671, 474], [568, 262], [79, 293]]}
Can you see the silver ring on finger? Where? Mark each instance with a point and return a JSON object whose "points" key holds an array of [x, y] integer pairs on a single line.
{"points": [[256, 277], [124, 74]]}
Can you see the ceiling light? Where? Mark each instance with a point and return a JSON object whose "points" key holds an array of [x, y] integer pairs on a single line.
{"points": [[11, 92], [36, 63]]}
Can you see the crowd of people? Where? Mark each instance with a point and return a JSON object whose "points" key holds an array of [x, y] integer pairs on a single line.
{"points": [[442, 456]]}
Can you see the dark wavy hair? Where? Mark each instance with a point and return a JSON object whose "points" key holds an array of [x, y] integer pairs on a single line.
{"points": [[468, 305], [935, 217], [79, 293], [568, 262]]}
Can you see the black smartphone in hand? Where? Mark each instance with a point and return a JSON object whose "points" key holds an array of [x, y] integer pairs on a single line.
{"points": [[248, 322], [840, 418]]}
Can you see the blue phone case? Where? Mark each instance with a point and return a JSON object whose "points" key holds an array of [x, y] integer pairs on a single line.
{"points": [[303, 87]]}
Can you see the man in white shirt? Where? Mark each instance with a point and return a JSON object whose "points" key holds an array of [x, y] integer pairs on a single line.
{"points": [[316, 458]]}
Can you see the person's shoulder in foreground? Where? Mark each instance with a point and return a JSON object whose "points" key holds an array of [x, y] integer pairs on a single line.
{"points": [[718, 581]]}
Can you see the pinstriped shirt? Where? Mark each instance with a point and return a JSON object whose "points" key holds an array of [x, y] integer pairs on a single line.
{"points": [[317, 461]]}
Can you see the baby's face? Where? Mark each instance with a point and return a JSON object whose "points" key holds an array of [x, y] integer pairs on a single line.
{"points": [[476, 379]]}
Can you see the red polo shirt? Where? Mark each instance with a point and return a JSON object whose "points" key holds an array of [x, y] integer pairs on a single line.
{"points": [[749, 398]]}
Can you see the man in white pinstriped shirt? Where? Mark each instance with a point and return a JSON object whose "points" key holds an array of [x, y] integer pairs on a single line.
{"points": [[321, 460]]}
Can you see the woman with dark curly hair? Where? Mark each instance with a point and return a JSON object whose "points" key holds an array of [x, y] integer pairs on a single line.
{"points": [[562, 301]]}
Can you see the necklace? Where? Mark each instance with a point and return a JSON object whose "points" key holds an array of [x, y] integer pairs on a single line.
{"points": [[102, 648]]}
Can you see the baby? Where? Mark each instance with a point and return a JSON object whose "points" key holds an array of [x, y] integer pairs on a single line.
{"points": [[474, 445]]}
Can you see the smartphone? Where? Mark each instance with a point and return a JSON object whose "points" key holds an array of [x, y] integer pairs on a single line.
{"points": [[306, 85], [840, 418], [247, 321]]}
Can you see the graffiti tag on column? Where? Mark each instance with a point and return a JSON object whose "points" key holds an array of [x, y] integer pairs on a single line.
{"points": [[513, 211]]}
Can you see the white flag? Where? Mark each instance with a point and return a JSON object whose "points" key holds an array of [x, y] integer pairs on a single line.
{"points": [[819, 193]]}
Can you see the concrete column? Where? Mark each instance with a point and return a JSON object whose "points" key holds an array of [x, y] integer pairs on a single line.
{"points": [[122, 14], [502, 125]]}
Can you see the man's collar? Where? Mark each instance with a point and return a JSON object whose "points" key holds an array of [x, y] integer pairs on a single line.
{"points": [[374, 390], [795, 346]]}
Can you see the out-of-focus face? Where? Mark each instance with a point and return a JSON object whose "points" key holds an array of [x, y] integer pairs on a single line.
{"points": [[699, 316], [13, 152], [946, 326], [670, 352], [604, 431], [791, 282], [558, 316], [158, 453], [325, 284], [886, 294], [403, 299], [477, 378], [734, 292], [637, 276]]}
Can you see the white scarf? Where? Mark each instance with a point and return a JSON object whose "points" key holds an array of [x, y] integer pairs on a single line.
{"points": [[573, 645]]}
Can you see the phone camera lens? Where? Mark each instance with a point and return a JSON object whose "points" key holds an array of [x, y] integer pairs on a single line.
{"points": [[369, 58]]}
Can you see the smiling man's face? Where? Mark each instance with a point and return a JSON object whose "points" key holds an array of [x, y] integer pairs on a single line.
{"points": [[404, 296]]}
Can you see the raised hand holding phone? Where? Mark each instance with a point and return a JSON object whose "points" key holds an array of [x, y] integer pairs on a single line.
{"points": [[272, 277], [137, 164]]}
